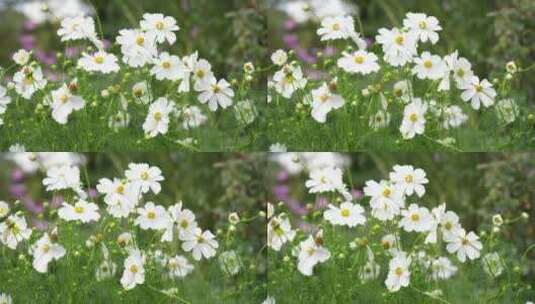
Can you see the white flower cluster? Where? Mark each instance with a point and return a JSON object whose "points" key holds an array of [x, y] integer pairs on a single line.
{"points": [[388, 201], [123, 197], [400, 51]]}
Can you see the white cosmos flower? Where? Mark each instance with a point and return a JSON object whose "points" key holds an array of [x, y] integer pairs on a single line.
{"points": [[45, 251], [399, 47], [386, 199], [453, 117], [478, 92], [424, 27], [359, 62], [288, 80], [138, 47], [134, 270], [460, 67], [399, 274], [416, 218], [184, 219], [81, 211], [188, 64], [157, 121], [64, 102], [449, 224], [168, 67], [325, 180], [160, 26], [22, 57], [120, 196], [442, 269], [312, 252], [4, 100], [99, 62], [140, 91], [28, 81], [179, 266], [279, 232], [62, 177], [347, 214], [324, 100], [429, 67], [279, 57], [192, 117], [411, 180], [215, 93], [77, 28], [152, 217], [145, 177], [403, 90], [390, 243], [201, 244], [413, 122], [464, 245], [201, 73], [332, 28], [14, 230]]}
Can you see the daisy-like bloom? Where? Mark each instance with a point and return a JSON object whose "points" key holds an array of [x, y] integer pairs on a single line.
{"points": [[4, 209], [386, 199], [201, 73], [45, 251], [192, 117], [168, 67], [460, 67], [188, 67], [325, 180], [179, 267], [416, 218], [380, 120], [478, 92], [403, 90], [145, 177], [77, 28], [507, 109], [62, 177], [279, 232], [312, 252], [279, 57], [152, 217], [449, 224], [184, 219], [99, 62], [429, 67], [64, 102], [332, 28], [288, 80], [22, 57], [201, 244], [347, 214], [442, 269], [453, 117], [411, 180], [157, 121], [413, 122], [399, 274], [359, 62], [120, 196], [160, 26], [390, 243], [324, 100], [28, 81], [138, 47], [424, 27], [399, 47], [7, 299], [4, 99], [134, 270], [140, 91], [14, 230], [493, 264], [125, 240], [464, 245], [215, 93], [81, 211]]}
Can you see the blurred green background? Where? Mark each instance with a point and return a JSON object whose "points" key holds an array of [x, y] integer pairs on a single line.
{"points": [[487, 32]]}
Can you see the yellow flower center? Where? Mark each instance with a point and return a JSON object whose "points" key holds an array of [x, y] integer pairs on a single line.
{"points": [[184, 224], [99, 59], [134, 269], [200, 74], [359, 59], [413, 117], [448, 226], [428, 64], [323, 180], [399, 40], [409, 178], [465, 242], [310, 251], [387, 192], [398, 92], [324, 98], [422, 25], [145, 175], [386, 245], [479, 88], [138, 92], [399, 271], [345, 212], [157, 116], [336, 27], [140, 40], [460, 73], [46, 248], [166, 65], [415, 217], [216, 88], [151, 215], [64, 98], [120, 189], [159, 25], [79, 209]]}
